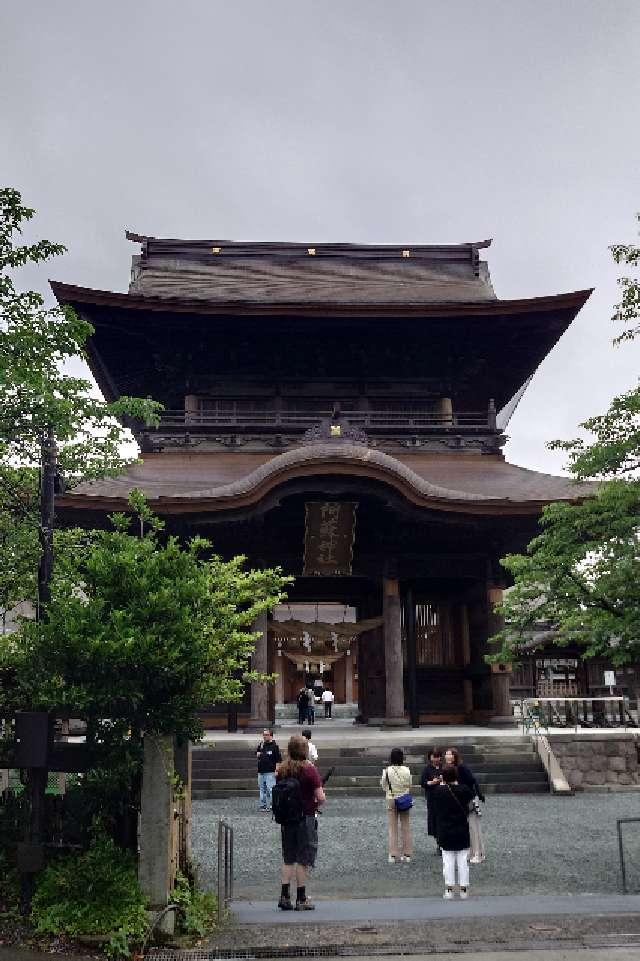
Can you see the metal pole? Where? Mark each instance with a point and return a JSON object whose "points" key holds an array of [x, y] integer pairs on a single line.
{"points": [[621, 852], [231, 864], [220, 874]]}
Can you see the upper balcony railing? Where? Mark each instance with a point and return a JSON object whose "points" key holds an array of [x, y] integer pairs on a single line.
{"points": [[297, 420]]}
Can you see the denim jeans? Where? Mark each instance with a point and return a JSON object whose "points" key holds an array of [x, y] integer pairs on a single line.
{"points": [[265, 786]]}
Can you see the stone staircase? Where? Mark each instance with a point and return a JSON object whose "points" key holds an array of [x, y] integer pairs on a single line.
{"points": [[507, 765]]}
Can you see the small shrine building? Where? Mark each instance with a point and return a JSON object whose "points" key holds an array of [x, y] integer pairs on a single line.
{"points": [[338, 410]]}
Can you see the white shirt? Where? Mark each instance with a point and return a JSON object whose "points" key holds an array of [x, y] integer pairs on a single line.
{"points": [[313, 752], [327, 696]]}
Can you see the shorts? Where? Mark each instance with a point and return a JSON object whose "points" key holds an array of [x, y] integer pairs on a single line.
{"points": [[300, 842]]}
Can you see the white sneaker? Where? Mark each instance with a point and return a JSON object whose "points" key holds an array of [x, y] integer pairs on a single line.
{"points": [[405, 857], [475, 860], [448, 894], [464, 894], [391, 859]]}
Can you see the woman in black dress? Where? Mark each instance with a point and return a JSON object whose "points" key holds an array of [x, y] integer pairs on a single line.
{"points": [[451, 801], [429, 780]]}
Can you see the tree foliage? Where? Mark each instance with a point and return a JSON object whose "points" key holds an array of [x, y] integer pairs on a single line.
{"points": [[140, 630], [580, 577], [37, 393]]}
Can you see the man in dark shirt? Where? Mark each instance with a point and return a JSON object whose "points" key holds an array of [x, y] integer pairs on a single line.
{"points": [[269, 756]]}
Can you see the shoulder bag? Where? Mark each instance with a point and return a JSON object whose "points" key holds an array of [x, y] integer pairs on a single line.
{"points": [[404, 802]]}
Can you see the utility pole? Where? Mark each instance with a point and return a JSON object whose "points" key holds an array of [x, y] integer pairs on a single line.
{"points": [[36, 777]]}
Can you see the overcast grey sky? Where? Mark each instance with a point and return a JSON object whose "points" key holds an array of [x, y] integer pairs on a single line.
{"points": [[371, 121]]}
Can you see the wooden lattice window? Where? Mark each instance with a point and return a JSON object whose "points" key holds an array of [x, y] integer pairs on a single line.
{"points": [[435, 642]]}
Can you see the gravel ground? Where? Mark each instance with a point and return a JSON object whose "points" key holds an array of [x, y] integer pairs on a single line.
{"points": [[535, 844]]}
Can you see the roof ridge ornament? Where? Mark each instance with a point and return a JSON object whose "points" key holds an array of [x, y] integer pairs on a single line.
{"points": [[335, 430]]}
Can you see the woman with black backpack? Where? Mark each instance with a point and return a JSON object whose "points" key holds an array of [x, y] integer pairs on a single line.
{"points": [[296, 797]]}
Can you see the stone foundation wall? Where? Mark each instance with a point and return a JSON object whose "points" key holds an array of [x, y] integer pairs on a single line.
{"points": [[598, 761]]}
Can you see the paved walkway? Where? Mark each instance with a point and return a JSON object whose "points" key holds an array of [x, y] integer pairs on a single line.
{"points": [[341, 732], [426, 909]]}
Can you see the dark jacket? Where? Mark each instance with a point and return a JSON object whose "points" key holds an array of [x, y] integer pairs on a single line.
{"points": [[466, 776], [268, 756], [451, 802], [428, 774], [303, 700]]}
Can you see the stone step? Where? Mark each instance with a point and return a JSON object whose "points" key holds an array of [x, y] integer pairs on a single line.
{"points": [[526, 787], [337, 780], [516, 769]]}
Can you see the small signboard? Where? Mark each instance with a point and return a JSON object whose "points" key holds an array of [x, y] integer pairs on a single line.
{"points": [[610, 678]]}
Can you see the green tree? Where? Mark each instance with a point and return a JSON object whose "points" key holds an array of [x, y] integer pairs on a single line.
{"points": [[581, 575], [37, 394], [140, 633]]}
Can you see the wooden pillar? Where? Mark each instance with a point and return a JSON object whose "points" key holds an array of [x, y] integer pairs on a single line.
{"points": [[278, 667], [500, 673], [467, 684], [412, 665], [259, 662], [191, 409], [446, 410], [348, 677], [394, 694]]}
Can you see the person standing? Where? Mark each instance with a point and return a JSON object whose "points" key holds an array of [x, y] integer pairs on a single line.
{"points": [[429, 780], [269, 757], [302, 701], [466, 776], [313, 750], [396, 783], [297, 796], [311, 706], [451, 801], [327, 700]]}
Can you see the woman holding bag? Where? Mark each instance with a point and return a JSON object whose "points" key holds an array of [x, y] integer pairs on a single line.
{"points": [[396, 783]]}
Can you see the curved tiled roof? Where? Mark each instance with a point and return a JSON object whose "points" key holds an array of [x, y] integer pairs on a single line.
{"points": [[206, 481]]}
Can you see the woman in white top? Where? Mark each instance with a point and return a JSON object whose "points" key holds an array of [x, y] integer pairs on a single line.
{"points": [[395, 781]]}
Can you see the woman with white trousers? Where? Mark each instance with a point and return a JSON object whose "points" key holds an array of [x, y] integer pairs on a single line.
{"points": [[451, 801]]}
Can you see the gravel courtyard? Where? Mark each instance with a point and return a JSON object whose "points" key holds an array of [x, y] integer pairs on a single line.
{"points": [[535, 844]]}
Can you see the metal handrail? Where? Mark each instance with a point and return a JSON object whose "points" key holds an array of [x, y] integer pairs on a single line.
{"points": [[225, 867], [623, 866], [575, 712]]}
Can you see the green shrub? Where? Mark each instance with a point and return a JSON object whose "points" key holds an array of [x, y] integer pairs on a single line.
{"points": [[95, 892], [198, 907]]}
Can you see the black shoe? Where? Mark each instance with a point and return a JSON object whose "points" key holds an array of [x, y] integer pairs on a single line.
{"points": [[305, 905], [285, 904]]}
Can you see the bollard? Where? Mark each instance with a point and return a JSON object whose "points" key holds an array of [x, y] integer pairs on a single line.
{"points": [[225, 866]]}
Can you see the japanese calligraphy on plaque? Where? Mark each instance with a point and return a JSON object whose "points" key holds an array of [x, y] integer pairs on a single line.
{"points": [[329, 531]]}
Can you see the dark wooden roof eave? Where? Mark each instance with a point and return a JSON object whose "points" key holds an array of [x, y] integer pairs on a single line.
{"points": [[571, 303], [170, 506]]}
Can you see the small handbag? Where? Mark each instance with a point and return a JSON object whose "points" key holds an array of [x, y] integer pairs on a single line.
{"points": [[404, 802]]}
